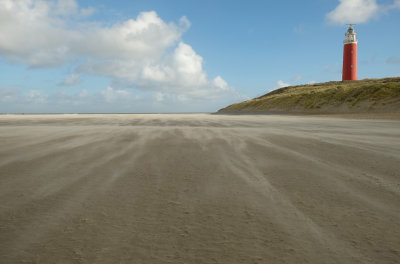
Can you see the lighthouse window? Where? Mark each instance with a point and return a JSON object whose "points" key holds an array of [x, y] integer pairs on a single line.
{"points": [[352, 51], [351, 66]]}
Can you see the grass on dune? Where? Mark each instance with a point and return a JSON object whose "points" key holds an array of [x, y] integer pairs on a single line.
{"points": [[316, 96]]}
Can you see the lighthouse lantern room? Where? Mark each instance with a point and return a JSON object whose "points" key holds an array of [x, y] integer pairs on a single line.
{"points": [[350, 55]]}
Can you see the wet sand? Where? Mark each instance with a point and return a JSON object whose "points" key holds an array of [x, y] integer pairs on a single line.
{"points": [[199, 189]]}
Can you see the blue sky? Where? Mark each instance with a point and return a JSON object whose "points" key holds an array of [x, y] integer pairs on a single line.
{"points": [[87, 56]]}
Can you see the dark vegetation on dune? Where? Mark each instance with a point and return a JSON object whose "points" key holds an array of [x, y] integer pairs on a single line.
{"points": [[368, 95]]}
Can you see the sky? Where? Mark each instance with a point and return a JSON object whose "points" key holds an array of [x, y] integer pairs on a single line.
{"points": [[158, 56]]}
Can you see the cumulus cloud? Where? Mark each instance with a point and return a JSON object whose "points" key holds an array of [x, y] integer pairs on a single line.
{"points": [[35, 32], [71, 80], [358, 11], [353, 11], [182, 73], [145, 53], [141, 40]]}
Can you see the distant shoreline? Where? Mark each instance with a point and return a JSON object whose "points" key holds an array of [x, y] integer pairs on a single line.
{"points": [[383, 116], [167, 113]]}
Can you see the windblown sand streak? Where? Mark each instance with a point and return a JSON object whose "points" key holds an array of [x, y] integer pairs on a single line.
{"points": [[199, 189]]}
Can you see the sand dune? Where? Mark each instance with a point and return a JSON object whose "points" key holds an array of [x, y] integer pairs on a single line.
{"points": [[199, 189]]}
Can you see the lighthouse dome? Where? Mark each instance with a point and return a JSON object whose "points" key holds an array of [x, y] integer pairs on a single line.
{"points": [[350, 35]]}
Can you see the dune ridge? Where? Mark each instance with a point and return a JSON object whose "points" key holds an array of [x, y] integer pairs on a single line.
{"points": [[379, 96]]}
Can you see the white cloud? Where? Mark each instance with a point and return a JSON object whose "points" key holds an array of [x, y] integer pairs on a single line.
{"points": [[358, 11], [182, 73], [180, 70], [142, 40], [280, 84], [145, 53], [71, 80], [220, 83], [34, 32], [353, 11]]}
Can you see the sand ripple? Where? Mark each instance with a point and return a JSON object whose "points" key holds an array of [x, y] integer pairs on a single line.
{"points": [[199, 189]]}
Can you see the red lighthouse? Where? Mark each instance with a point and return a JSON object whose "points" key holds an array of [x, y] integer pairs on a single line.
{"points": [[350, 55]]}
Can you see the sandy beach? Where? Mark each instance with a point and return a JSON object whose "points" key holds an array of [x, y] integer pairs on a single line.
{"points": [[199, 188]]}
